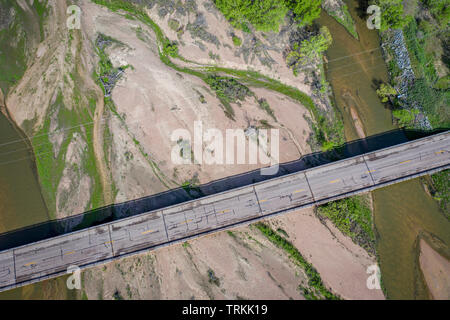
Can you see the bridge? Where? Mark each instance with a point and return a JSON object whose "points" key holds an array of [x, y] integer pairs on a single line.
{"points": [[50, 258]]}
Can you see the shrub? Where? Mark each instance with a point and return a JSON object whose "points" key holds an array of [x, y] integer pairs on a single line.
{"points": [[392, 16], [237, 41], [405, 117], [305, 11], [310, 50], [385, 92], [264, 15], [422, 93]]}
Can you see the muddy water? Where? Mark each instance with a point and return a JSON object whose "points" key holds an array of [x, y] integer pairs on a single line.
{"points": [[401, 212], [21, 202]]}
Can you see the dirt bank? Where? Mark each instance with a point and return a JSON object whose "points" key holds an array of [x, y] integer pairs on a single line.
{"points": [[436, 270]]}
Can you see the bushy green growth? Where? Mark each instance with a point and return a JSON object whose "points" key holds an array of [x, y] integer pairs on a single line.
{"points": [[237, 41], [440, 9], [305, 11], [443, 83], [264, 15], [314, 279], [392, 16], [309, 51], [353, 217], [441, 192], [405, 117], [171, 49], [386, 92], [185, 245], [433, 101], [421, 60]]}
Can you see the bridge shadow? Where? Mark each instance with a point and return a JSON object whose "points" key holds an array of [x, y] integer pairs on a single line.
{"points": [[113, 212]]}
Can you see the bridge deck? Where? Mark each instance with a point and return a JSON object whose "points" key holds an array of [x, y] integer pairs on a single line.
{"points": [[100, 244]]}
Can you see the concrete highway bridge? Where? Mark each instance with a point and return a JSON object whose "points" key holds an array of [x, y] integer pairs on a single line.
{"points": [[100, 244]]}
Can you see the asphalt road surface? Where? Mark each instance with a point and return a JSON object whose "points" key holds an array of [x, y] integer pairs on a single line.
{"points": [[50, 258]]}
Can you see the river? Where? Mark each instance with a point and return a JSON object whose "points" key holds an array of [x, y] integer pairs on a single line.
{"points": [[22, 204], [404, 211]]}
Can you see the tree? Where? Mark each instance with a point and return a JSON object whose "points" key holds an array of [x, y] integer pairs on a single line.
{"points": [[392, 16], [385, 92], [310, 51], [264, 15], [305, 11]]}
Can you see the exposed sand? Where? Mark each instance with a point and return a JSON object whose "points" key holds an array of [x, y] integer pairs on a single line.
{"points": [[247, 264], [436, 270], [341, 263], [155, 100]]}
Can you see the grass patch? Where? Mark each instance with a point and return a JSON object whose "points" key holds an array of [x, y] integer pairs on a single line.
{"points": [[441, 190], [353, 217], [314, 279]]}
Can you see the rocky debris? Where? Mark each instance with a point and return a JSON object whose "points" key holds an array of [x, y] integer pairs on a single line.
{"points": [[396, 43], [109, 81], [394, 40], [102, 42]]}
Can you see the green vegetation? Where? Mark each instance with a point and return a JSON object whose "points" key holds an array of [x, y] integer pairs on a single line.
{"points": [[264, 15], [386, 92], [267, 15], [432, 100], [343, 16], [353, 217], [236, 40], [51, 164], [441, 190], [283, 232], [426, 43], [304, 11], [428, 90], [328, 129], [392, 16], [405, 117], [440, 9], [310, 51], [171, 49], [314, 279], [186, 244]]}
